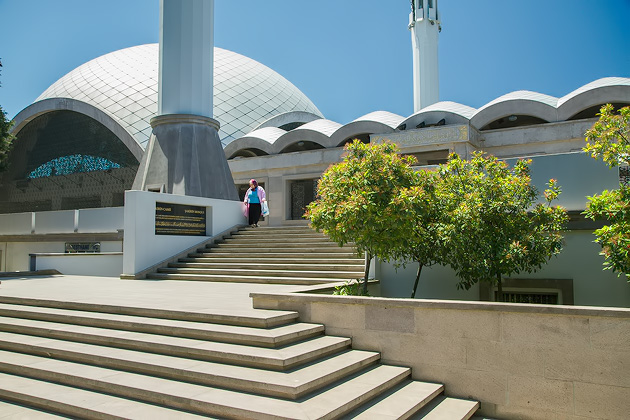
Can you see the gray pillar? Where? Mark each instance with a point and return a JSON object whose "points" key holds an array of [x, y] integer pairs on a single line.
{"points": [[184, 155]]}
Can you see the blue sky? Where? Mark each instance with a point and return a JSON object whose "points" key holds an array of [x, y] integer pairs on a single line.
{"points": [[350, 57]]}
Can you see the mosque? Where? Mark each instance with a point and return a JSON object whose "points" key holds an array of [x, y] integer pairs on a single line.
{"points": [[84, 142]]}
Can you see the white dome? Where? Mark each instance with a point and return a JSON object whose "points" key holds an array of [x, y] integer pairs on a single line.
{"points": [[124, 84]]}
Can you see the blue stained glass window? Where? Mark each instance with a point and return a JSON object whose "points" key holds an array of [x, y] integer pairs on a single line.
{"points": [[72, 164]]}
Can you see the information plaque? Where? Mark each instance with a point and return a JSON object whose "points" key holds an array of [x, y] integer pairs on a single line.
{"points": [[82, 247], [180, 219]]}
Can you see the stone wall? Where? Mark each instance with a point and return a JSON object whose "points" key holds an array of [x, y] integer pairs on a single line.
{"points": [[520, 361]]}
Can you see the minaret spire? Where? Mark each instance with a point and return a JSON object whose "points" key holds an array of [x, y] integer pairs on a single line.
{"points": [[424, 24]]}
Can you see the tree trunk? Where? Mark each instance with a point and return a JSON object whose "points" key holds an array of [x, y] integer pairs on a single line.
{"points": [[368, 260], [415, 285], [499, 289]]}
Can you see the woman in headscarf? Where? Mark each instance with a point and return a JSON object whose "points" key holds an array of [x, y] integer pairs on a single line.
{"points": [[254, 197]]}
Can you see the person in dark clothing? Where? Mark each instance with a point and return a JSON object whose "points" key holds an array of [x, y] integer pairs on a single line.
{"points": [[254, 198]]}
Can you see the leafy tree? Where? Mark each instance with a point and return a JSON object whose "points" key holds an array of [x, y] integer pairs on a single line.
{"points": [[493, 226], [355, 202], [419, 221], [609, 140], [6, 140]]}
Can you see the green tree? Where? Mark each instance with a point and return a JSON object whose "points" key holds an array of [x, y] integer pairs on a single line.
{"points": [[609, 140], [420, 223], [355, 199], [6, 140], [493, 226]]}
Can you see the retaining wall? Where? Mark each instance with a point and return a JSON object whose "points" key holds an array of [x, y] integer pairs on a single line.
{"points": [[520, 361]]}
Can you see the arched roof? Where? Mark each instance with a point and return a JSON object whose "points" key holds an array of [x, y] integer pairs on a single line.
{"points": [[38, 108], [318, 131], [374, 122], [123, 85], [521, 102], [536, 106], [598, 92], [262, 139], [288, 118], [452, 112]]}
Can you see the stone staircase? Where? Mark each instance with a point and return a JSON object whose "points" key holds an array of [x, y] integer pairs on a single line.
{"points": [[272, 255], [97, 361], [101, 361]]}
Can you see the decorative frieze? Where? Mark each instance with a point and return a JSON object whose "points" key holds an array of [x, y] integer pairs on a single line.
{"points": [[427, 136]]}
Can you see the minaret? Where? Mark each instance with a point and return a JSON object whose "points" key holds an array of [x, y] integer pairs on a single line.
{"points": [[424, 23], [185, 155]]}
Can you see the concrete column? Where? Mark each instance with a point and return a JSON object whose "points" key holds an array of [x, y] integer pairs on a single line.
{"points": [[424, 25], [184, 155], [186, 57]]}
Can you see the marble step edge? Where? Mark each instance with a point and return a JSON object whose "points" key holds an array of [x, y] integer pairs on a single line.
{"points": [[264, 255], [215, 259], [245, 279], [262, 273], [263, 239], [283, 244], [284, 358], [330, 403], [247, 265], [290, 385], [401, 402], [261, 319], [15, 410], [443, 407], [78, 403], [252, 336]]}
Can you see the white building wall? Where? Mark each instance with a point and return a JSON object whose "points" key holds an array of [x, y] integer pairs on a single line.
{"points": [[143, 248], [100, 265], [16, 255], [579, 261]]}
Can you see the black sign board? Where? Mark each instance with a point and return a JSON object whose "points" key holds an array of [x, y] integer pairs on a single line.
{"points": [[82, 247], [180, 219]]}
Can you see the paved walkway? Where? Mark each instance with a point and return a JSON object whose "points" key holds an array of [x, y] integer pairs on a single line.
{"points": [[204, 297]]}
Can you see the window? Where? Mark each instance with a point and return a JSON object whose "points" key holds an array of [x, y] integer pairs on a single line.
{"points": [[302, 192], [541, 291], [543, 296]]}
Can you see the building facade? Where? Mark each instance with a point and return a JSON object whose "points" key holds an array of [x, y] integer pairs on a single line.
{"points": [[80, 143]]}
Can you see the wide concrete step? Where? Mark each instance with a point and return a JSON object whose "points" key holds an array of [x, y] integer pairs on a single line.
{"points": [[186, 269], [258, 318], [255, 233], [73, 402], [246, 279], [276, 245], [283, 358], [247, 261], [293, 384], [277, 229], [206, 253], [247, 265], [262, 250], [266, 240], [445, 408], [400, 403], [330, 402], [272, 337], [15, 411]]}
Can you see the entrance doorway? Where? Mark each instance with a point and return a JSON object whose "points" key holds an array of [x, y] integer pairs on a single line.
{"points": [[302, 192]]}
